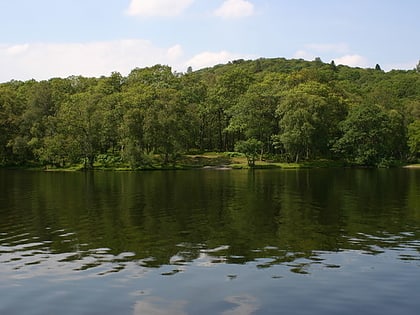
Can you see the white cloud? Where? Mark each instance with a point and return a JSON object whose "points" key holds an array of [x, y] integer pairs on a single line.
{"points": [[42, 61], [45, 60], [150, 8], [243, 305], [175, 52], [235, 9], [209, 59], [16, 49], [339, 52], [303, 54], [352, 61]]}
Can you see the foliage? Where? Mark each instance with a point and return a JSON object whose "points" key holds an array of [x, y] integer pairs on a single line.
{"points": [[366, 135], [251, 148], [288, 109], [308, 117], [414, 138]]}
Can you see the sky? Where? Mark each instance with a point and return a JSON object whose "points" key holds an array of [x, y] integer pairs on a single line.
{"points": [[42, 39]]}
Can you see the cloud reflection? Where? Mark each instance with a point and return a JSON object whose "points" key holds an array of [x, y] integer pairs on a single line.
{"points": [[159, 306], [244, 305]]}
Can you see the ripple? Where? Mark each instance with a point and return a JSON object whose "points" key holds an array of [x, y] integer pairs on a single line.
{"points": [[33, 257], [171, 273], [67, 234], [216, 249], [124, 255], [71, 257], [28, 246], [103, 250], [177, 260]]}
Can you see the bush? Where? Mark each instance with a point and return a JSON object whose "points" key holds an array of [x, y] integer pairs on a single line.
{"points": [[251, 148]]}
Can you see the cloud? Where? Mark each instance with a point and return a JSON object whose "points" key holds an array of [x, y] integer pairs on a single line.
{"points": [[175, 52], [235, 9], [16, 49], [303, 54], [42, 61], [352, 61], [163, 8], [46, 60], [209, 59], [339, 52]]}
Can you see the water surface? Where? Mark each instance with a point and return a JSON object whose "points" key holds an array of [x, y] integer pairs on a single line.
{"points": [[321, 241]]}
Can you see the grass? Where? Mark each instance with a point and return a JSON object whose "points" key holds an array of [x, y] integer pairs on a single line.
{"points": [[231, 160], [412, 166], [242, 163]]}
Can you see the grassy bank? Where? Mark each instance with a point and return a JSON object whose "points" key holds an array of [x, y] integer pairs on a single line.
{"points": [[212, 160]]}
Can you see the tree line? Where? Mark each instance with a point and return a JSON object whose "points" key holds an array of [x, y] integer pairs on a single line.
{"points": [[289, 110]]}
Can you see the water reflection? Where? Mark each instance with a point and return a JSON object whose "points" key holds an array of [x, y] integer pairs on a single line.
{"points": [[92, 219], [159, 306], [241, 227], [233, 305]]}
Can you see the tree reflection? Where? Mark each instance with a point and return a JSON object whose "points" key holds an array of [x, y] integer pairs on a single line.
{"points": [[210, 217]]}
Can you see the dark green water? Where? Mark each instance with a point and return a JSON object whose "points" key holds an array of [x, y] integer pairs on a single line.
{"points": [[210, 242]]}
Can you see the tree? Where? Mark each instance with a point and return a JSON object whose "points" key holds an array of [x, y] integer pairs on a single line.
{"points": [[163, 114], [318, 61], [225, 94], [254, 114], [366, 135], [308, 119], [162, 125], [297, 133], [81, 123], [38, 116], [251, 148], [197, 123], [157, 76], [414, 138], [136, 97], [13, 138], [333, 65], [57, 150], [294, 107]]}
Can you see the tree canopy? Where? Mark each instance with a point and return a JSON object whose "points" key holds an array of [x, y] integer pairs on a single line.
{"points": [[291, 110]]}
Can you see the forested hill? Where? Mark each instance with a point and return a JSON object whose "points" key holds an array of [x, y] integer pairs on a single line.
{"points": [[289, 110]]}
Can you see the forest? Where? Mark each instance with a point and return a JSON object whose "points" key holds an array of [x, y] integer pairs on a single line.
{"points": [[269, 108]]}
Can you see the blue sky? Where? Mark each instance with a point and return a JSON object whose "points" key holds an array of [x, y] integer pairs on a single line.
{"points": [[41, 39]]}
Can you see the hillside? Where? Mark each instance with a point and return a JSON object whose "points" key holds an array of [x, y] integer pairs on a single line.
{"points": [[284, 110]]}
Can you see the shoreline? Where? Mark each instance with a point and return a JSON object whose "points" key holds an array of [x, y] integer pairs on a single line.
{"points": [[221, 167], [412, 166]]}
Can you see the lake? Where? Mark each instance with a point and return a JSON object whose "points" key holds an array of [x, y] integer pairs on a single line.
{"points": [[318, 241]]}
